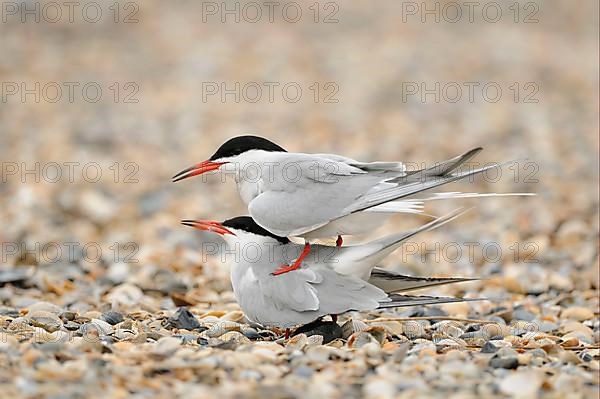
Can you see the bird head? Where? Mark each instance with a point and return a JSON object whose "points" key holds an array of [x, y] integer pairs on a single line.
{"points": [[228, 154]]}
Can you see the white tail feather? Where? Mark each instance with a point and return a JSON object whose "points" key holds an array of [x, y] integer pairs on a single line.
{"points": [[416, 205]]}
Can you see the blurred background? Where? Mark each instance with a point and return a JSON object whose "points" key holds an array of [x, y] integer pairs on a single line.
{"points": [[102, 102]]}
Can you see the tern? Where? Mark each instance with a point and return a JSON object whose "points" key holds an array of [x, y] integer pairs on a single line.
{"points": [[326, 195], [332, 280]]}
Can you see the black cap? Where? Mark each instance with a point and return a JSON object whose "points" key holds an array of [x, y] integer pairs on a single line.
{"points": [[246, 223], [241, 144]]}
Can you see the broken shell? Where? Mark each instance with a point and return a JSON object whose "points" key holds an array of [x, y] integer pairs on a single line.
{"points": [[297, 342], [214, 313], [351, 326], [393, 328], [236, 316], [360, 339], [221, 328]]}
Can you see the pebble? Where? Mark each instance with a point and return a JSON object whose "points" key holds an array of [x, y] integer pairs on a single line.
{"points": [[522, 384], [511, 362], [112, 317], [522, 314], [577, 313], [488, 347], [125, 295], [15, 275], [184, 319], [44, 319], [166, 346], [44, 307]]}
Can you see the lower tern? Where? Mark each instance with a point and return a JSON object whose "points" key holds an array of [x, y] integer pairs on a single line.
{"points": [[326, 195], [332, 280]]}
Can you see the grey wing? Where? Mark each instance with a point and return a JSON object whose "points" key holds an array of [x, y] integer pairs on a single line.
{"points": [[320, 290], [308, 192], [295, 290], [339, 293], [367, 166]]}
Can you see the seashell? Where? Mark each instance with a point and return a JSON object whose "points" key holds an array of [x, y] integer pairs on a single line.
{"points": [[569, 357], [390, 346], [235, 315], [234, 336], [574, 326], [221, 328], [570, 341], [379, 333], [60, 336], [516, 342], [451, 342], [123, 334], [19, 324], [140, 315], [297, 342], [502, 344], [493, 330], [360, 339], [214, 313], [373, 351], [351, 326], [314, 340], [413, 329], [581, 337], [453, 331], [336, 343], [393, 328], [550, 347]]}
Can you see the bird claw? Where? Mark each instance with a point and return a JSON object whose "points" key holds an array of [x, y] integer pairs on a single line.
{"points": [[285, 269], [294, 266]]}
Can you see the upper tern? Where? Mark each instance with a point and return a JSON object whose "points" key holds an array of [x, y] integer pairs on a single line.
{"points": [[331, 280], [325, 195]]}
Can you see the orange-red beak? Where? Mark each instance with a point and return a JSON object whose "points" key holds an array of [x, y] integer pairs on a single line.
{"points": [[197, 169], [207, 225]]}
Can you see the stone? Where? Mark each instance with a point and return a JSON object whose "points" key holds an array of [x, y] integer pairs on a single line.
{"points": [[184, 319]]}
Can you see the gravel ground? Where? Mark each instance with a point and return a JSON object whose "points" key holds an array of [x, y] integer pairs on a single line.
{"points": [[103, 293]]}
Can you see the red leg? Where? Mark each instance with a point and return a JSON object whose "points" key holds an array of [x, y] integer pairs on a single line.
{"points": [[339, 241], [334, 318], [287, 333], [296, 265]]}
